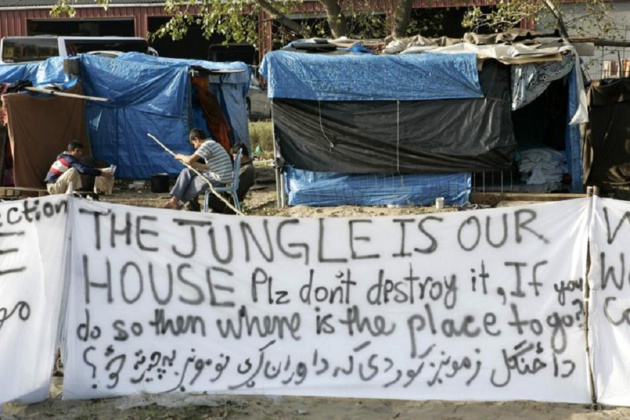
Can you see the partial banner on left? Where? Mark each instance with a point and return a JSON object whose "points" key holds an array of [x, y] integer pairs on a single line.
{"points": [[33, 246]]}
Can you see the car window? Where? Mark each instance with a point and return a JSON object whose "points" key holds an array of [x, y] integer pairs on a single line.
{"points": [[39, 48], [19, 50], [79, 46]]}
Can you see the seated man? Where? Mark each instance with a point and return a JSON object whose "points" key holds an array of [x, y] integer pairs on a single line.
{"points": [[64, 175], [217, 168]]}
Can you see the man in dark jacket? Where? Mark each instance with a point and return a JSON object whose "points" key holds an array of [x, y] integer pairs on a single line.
{"points": [[65, 173]]}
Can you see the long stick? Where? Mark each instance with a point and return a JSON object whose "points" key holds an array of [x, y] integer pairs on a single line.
{"points": [[64, 94], [201, 175]]}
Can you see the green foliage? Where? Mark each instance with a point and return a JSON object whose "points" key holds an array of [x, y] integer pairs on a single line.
{"points": [[224, 17], [504, 16], [261, 138], [365, 22], [581, 17], [593, 18], [426, 24], [66, 8], [237, 21]]}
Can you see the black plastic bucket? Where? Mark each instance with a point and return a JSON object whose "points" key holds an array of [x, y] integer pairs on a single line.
{"points": [[159, 183]]}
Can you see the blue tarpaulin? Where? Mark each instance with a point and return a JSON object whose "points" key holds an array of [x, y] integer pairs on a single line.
{"points": [[49, 71], [154, 95], [334, 189], [146, 95], [354, 77]]}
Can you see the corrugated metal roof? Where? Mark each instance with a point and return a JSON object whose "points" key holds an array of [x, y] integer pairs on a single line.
{"points": [[25, 4]]}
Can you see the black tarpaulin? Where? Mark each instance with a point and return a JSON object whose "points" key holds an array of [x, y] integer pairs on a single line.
{"points": [[606, 147], [437, 136]]}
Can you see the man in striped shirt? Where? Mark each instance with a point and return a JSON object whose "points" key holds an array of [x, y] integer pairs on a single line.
{"points": [[216, 166]]}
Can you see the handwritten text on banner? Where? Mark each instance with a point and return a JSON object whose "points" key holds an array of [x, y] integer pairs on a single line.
{"points": [[32, 264], [610, 301], [476, 305]]}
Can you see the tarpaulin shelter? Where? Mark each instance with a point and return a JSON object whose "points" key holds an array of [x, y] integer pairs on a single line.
{"points": [[156, 95], [144, 95], [405, 118], [607, 139]]}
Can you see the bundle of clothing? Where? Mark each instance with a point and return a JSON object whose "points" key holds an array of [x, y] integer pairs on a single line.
{"points": [[544, 167]]}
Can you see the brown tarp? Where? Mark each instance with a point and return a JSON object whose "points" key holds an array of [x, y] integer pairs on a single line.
{"points": [[606, 146], [212, 112], [39, 129]]}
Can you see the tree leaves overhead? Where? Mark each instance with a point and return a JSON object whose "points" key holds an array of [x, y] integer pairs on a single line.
{"points": [[580, 17], [238, 20]]}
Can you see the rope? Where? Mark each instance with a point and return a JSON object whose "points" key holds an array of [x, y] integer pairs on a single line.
{"points": [[321, 126], [398, 136], [206, 180]]}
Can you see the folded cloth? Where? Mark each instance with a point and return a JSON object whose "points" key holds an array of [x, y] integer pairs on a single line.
{"points": [[109, 169], [103, 185]]}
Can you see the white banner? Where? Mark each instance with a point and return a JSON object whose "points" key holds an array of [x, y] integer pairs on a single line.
{"points": [[483, 305], [32, 267], [609, 280]]}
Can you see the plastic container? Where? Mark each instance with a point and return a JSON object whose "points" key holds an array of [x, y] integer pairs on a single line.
{"points": [[159, 183]]}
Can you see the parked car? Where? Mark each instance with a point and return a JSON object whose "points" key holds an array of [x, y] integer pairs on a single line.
{"points": [[258, 104], [23, 49]]}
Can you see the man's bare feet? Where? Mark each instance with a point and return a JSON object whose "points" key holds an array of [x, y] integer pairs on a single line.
{"points": [[173, 203]]}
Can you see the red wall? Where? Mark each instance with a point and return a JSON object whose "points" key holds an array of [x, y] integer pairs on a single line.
{"points": [[13, 22]]}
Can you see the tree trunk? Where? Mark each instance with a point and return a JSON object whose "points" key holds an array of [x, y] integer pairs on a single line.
{"points": [[282, 19], [558, 15], [335, 17], [402, 15]]}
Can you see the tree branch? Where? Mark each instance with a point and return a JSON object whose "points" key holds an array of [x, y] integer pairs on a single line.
{"points": [[282, 19]]}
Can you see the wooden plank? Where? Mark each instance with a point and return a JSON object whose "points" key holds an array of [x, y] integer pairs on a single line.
{"points": [[65, 95], [19, 192], [493, 198]]}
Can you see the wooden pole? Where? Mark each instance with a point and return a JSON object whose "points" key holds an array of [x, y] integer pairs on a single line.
{"points": [[65, 94]]}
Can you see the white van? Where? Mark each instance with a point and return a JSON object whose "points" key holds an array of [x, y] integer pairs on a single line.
{"points": [[24, 49]]}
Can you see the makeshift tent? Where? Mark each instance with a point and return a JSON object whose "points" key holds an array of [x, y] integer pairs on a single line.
{"points": [[145, 95], [155, 95], [607, 140], [411, 115]]}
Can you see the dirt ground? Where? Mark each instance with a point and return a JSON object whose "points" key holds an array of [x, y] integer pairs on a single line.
{"points": [[180, 407], [262, 201]]}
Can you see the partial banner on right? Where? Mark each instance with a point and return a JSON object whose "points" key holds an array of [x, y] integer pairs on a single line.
{"points": [[609, 304]]}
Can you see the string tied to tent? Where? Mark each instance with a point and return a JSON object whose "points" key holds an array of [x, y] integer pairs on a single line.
{"points": [[321, 127], [206, 180], [398, 136]]}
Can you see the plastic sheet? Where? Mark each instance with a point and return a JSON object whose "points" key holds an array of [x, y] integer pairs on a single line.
{"points": [[333, 189], [371, 77]]}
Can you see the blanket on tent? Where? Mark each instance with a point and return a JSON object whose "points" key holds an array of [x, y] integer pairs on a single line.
{"points": [[40, 127]]}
